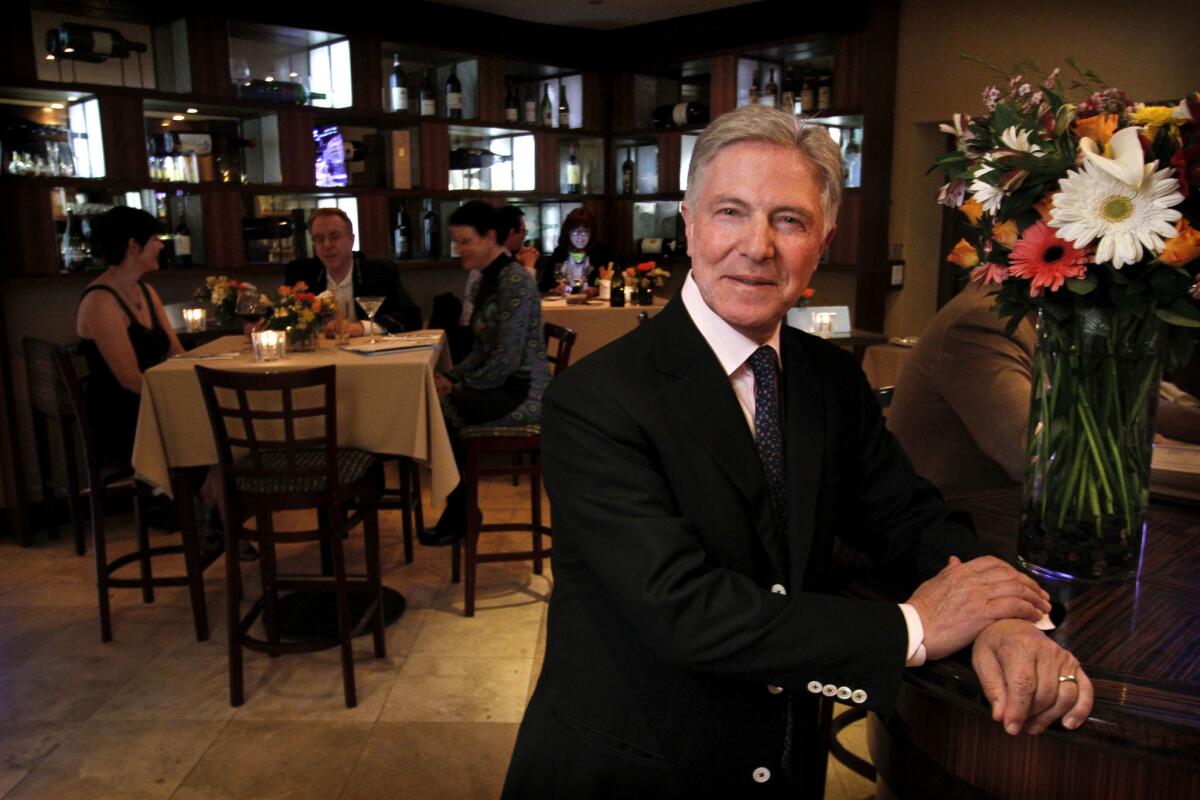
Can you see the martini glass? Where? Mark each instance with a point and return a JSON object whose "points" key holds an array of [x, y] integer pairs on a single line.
{"points": [[371, 305]]}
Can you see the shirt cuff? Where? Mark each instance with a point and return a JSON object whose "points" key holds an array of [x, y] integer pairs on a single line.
{"points": [[915, 654]]}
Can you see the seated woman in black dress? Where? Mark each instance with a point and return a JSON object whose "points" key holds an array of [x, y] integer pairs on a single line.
{"points": [[502, 379], [123, 327]]}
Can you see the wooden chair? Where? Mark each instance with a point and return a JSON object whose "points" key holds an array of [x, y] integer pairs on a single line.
{"points": [[51, 406], [106, 479], [276, 436], [524, 444]]}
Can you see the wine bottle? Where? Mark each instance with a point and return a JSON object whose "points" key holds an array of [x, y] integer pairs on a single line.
{"points": [[454, 109], [754, 84], [825, 91], [90, 43], [627, 170], [574, 177], [531, 107], [399, 86], [426, 97], [71, 245], [787, 100], [679, 115], [770, 92], [808, 92], [402, 235], [431, 231], [183, 244], [277, 92], [547, 109], [255, 228], [564, 110], [616, 297], [166, 256], [512, 110], [475, 158], [852, 160]]}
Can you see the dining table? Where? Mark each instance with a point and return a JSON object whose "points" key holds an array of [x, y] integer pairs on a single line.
{"points": [[387, 403], [596, 323]]}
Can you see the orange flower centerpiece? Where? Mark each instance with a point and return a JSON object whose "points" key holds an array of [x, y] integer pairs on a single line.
{"points": [[646, 277], [1084, 216], [302, 314]]}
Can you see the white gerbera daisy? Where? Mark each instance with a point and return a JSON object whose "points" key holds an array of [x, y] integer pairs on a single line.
{"points": [[1017, 141], [1092, 204], [985, 194]]}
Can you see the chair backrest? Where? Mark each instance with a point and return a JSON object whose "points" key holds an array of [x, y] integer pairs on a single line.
{"points": [[47, 393], [561, 356], [272, 417], [72, 371]]}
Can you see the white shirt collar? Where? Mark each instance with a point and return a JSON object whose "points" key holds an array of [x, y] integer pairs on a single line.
{"points": [[731, 347]]}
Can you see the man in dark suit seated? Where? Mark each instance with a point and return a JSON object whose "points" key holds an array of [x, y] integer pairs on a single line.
{"points": [[351, 276], [699, 469]]}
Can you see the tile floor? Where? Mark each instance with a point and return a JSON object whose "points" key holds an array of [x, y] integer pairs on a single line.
{"points": [[148, 715]]}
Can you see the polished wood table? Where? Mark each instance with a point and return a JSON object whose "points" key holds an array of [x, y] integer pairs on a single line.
{"points": [[1138, 641]]}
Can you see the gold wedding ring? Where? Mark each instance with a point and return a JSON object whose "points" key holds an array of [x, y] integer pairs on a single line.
{"points": [[1065, 678]]}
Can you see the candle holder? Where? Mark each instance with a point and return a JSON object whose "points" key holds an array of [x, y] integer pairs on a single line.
{"points": [[195, 319], [269, 345]]}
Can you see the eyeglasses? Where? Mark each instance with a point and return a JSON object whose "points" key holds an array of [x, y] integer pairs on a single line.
{"points": [[332, 238]]}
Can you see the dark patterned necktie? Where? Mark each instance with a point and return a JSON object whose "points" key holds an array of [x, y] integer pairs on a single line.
{"points": [[768, 432]]}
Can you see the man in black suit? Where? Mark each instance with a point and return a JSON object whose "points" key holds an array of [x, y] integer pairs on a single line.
{"points": [[352, 276], [699, 469]]}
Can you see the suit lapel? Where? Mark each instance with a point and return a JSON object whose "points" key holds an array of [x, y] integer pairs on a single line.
{"points": [[703, 400], [804, 445]]}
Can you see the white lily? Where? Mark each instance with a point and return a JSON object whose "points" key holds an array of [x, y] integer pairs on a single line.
{"points": [[1017, 140], [1127, 165], [1181, 112]]}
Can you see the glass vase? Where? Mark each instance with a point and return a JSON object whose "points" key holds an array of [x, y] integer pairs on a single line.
{"points": [[302, 340], [1091, 430]]}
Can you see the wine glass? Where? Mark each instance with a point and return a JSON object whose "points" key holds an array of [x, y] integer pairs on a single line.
{"points": [[250, 309], [371, 306], [561, 277]]}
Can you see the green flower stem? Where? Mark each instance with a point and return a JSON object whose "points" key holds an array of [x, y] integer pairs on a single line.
{"points": [[1091, 435]]}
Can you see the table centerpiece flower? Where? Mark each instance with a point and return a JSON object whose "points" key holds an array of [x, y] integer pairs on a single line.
{"points": [[221, 293], [646, 277], [302, 314]]}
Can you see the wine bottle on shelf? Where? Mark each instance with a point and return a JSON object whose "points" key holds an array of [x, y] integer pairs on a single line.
{"points": [[679, 115], [547, 108], [564, 110], [90, 43], [398, 83], [454, 109], [531, 107], [825, 91], [402, 234], [256, 228], [808, 92], [431, 232], [770, 92], [755, 82], [627, 171], [427, 98], [512, 110], [616, 297], [852, 160], [277, 92], [574, 176], [787, 99], [183, 243]]}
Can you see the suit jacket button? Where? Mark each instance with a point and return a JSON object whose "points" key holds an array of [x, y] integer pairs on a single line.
{"points": [[814, 687], [773, 689], [762, 775], [859, 696], [844, 693], [778, 589], [829, 690]]}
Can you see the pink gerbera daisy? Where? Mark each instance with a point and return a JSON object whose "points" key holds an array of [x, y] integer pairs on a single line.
{"points": [[1045, 259]]}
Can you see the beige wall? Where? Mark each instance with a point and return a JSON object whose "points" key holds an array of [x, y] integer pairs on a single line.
{"points": [[1150, 50]]}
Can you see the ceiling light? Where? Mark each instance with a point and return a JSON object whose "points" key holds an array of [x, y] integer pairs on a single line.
{"points": [[269, 78], [293, 74], [72, 98], [178, 117], [166, 123], [49, 56], [56, 106], [193, 111], [68, 49], [47, 108]]}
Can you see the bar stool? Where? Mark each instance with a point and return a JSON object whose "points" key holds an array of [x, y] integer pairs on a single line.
{"points": [[284, 428], [51, 406], [524, 445], [106, 479]]}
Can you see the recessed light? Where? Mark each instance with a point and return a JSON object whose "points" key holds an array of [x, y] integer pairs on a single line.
{"points": [[269, 78], [72, 98], [178, 117], [57, 106], [68, 49], [47, 108], [49, 56], [293, 74], [193, 111], [166, 123]]}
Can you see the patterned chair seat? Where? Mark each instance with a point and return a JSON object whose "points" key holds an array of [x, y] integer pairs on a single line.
{"points": [[352, 465], [487, 431]]}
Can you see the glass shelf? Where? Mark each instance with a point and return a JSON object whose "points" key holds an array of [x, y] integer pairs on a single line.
{"points": [[643, 153], [204, 144], [114, 52], [489, 159], [275, 226], [51, 133], [75, 209], [274, 63]]}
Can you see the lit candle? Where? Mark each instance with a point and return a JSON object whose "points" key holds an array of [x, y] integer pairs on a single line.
{"points": [[194, 319], [268, 345]]}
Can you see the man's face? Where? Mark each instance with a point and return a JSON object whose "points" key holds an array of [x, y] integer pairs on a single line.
{"points": [[755, 234], [516, 237], [333, 242]]}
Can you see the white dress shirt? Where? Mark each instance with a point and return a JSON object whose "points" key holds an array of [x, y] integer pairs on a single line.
{"points": [[343, 297]]}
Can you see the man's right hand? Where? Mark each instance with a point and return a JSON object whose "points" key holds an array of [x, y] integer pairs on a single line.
{"points": [[964, 598]]}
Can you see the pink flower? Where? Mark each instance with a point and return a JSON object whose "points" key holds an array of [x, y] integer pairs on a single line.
{"points": [[1046, 260], [989, 272]]}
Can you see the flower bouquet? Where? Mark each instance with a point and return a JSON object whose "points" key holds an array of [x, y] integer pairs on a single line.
{"points": [[221, 292], [646, 277], [1084, 217], [302, 314]]}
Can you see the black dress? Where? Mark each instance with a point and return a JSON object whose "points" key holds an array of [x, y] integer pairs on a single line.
{"points": [[113, 409]]}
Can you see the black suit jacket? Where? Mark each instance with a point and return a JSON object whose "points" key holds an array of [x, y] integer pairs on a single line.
{"points": [[667, 637], [398, 312]]}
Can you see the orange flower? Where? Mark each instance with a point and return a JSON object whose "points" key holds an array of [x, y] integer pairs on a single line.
{"points": [[1183, 247], [284, 291], [1005, 234], [646, 266], [1044, 207], [972, 210], [1099, 128], [964, 254]]}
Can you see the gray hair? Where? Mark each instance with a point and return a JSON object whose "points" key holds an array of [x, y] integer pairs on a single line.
{"points": [[755, 123]]}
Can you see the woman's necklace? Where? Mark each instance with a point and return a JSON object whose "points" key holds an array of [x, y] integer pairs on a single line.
{"points": [[133, 299]]}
